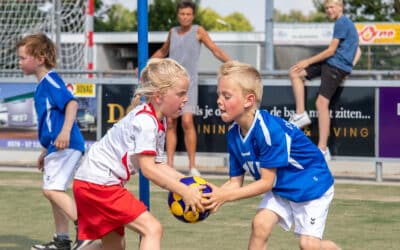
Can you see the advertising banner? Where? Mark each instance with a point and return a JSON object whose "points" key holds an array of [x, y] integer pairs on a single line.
{"points": [[352, 119], [389, 122], [379, 33], [321, 33], [352, 116], [115, 101], [20, 111], [352, 112], [18, 120]]}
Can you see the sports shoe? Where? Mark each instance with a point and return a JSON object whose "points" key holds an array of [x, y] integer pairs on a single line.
{"points": [[327, 154], [80, 244], [194, 172], [300, 120], [55, 244]]}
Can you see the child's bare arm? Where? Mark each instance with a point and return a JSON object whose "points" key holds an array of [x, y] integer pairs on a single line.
{"points": [[235, 191], [63, 137], [170, 171], [233, 183], [40, 161], [163, 176]]}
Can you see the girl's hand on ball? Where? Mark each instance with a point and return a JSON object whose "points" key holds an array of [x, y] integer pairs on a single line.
{"points": [[193, 198]]}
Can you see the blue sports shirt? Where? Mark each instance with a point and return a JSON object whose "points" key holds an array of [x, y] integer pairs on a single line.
{"points": [[302, 173], [51, 98], [346, 32]]}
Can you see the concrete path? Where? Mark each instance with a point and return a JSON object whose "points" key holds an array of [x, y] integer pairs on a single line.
{"points": [[345, 169]]}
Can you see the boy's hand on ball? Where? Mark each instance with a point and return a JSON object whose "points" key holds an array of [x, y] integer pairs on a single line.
{"points": [[212, 201]]}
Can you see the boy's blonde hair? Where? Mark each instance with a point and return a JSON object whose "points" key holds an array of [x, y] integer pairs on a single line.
{"points": [[158, 76], [246, 76], [338, 2], [39, 45]]}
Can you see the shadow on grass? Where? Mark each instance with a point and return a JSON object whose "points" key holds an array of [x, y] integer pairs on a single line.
{"points": [[16, 242]]}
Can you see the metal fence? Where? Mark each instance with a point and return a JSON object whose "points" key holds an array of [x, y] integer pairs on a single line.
{"points": [[364, 126]]}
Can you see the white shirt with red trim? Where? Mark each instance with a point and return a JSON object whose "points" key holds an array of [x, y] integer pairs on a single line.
{"points": [[108, 160]]}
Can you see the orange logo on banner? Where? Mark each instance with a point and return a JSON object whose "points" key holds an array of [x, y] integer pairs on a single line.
{"points": [[82, 89], [70, 87], [379, 33]]}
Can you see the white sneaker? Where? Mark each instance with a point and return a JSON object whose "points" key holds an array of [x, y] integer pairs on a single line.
{"points": [[194, 172], [300, 120], [327, 154]]}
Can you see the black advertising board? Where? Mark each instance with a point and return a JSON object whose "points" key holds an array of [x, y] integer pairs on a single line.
{"points": [[115, 100], [352, 116], [352, 131], [211, 130]]}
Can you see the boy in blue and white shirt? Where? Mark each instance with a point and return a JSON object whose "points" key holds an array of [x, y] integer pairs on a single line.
{"points": [[287, 167]]}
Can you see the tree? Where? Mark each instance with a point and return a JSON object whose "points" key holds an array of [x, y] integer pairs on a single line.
{"points": [[162, 16], [121, 19], [238, 22], [100, 16], [113, 18], [294, 16], [368, 10], [211, 20]]}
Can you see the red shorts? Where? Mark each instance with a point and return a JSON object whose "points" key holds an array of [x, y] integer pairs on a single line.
{"points": [[104, 209]]}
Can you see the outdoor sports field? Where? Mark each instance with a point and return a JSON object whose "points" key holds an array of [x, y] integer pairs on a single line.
{"points": [[361, 217]]}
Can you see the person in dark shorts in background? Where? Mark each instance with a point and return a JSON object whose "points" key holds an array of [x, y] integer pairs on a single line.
{"points": [[332, 65]]}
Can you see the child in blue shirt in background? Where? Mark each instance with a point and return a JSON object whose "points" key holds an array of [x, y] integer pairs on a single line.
{"points": [[287, 167], [59, 135]]}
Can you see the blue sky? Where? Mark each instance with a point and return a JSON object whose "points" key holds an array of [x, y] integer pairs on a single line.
{"points": [[254, 10]]}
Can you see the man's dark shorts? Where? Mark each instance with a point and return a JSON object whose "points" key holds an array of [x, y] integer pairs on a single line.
{"points": [[331, 77]]}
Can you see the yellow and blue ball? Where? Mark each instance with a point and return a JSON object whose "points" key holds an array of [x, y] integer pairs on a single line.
{"points": [[177, 206]]}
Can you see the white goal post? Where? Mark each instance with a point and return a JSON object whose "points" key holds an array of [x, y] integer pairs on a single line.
{"points": [[64, 21]]}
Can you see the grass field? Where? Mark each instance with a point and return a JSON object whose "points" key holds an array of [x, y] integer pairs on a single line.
{"points": [[360, 217]]}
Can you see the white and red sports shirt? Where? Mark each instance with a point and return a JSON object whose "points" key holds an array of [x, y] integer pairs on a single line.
{"points": [[108, 160]]}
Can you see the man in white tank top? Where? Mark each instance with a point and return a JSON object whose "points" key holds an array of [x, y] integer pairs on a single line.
{"points": [[183, 45]]}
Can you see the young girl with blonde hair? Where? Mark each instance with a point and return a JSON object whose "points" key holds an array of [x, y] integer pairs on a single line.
{"points": [[136, 142]]}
